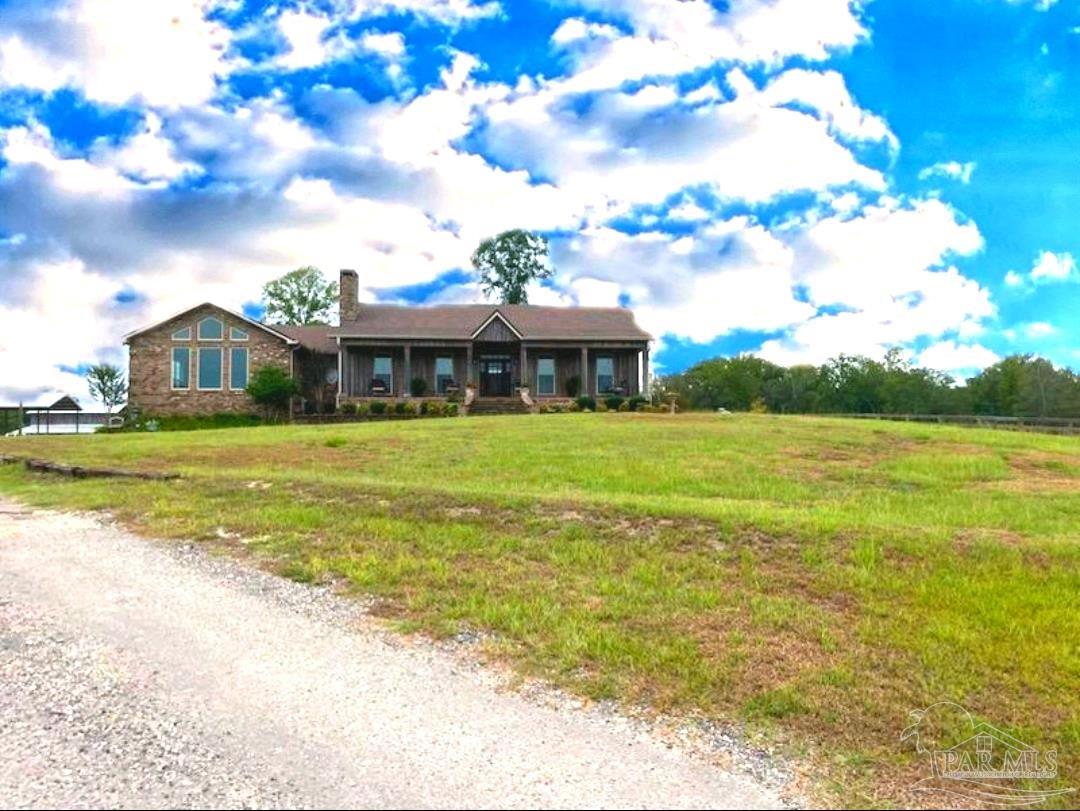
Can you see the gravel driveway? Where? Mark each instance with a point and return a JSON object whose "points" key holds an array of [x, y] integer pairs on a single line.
{"points": [[138, 673]]}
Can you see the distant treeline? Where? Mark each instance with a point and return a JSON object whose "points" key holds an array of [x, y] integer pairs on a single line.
{"points": [[1018, 386]]}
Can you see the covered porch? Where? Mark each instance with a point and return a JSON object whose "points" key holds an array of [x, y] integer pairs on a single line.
{"points": [[495, 369]]}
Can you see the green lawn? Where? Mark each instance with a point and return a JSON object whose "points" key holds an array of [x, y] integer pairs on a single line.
{"points": [[815, 579]]}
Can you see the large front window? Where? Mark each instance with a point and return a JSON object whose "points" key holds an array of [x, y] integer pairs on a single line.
{"points": [[605, 374], [238, 368], [444, 374], [384, 372], [210, 368], [545, 376], [181, 367]]}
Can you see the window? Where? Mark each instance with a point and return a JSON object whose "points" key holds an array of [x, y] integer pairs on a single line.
{"points": [[211, 329], [545, 375], [444, 374], [181, 367], [605, 374], [384, 371], [237, 334], [210, 368], [238, 368], [182, 334]]}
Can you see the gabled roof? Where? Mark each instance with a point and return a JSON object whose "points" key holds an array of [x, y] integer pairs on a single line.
{"points": [[66, 403], [257, 324], [464, 321], [495, 316]]}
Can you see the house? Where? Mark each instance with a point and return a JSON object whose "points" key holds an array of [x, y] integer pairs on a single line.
{"points": [[200, 360]]}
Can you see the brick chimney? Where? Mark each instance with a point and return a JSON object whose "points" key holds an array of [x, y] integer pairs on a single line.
{"points": [[349, 291]]}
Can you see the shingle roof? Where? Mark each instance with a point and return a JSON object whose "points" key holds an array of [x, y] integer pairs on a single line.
{"points": [[315, 338], [461, 321]]}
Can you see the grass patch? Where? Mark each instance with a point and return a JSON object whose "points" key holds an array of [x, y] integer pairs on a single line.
{"points": [[815, 579]]}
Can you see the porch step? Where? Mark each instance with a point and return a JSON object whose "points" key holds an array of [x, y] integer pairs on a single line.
{"points": [[487, 406]]}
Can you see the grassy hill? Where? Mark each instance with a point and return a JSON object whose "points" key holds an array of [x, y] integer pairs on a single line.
{"points": [[815, 579]]}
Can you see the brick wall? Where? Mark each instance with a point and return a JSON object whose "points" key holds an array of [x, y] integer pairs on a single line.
{"points": [[150, 373]]}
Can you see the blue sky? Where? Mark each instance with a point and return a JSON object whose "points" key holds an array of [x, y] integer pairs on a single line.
{"points": [[794, 178]]}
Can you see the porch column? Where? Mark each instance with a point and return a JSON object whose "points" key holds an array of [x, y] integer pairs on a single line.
{"points": [[406, 384], [584, 370], [645, 371], [341, 389], [523, 375], [468, 365]]}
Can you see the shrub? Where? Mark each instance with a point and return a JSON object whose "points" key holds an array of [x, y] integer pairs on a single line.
{"points": [[378, 407], [574, 406], [347, 408], [624, 406], [451, 409], [432, 408], [404, 408], [586, 403], [573, 386], [198, 422], [418, 387], [613, 401], [272, 389], [637, 401], [363, 409]]}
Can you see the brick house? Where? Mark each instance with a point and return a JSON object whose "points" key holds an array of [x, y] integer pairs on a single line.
{"points": [[200, 360]]}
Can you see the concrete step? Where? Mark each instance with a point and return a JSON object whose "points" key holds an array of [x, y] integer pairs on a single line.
{"points": [[498, 405]]}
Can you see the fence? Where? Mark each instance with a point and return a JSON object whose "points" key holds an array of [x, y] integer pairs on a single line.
{"points": [[1049, 425]]}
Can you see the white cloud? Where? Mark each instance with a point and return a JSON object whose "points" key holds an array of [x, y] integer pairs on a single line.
{"points": [[826, 92], [147, 156], [1039, 329], [883, 280], [389, 46], [728, 276], [643, 145], [30, 369], [949, 356], [303, 32], [166, 53], [1013, 279], [953, 170], [1053, 267], [888, 251], [33, 146]]}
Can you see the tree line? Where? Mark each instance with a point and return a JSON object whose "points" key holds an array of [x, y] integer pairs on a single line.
{"points": [[1018, 386]]}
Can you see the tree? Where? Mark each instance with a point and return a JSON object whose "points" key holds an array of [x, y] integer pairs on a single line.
{"points": [[794, 392], [272, 388], [302, 296], [107, 385], [508, 262]]}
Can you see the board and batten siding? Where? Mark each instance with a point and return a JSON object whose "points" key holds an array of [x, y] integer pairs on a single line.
{"points": [[358, 367]]}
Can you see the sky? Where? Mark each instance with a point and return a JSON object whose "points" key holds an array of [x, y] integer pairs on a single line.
{"points": [[791, 178]]}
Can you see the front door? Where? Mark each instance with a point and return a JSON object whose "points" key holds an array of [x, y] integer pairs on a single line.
{"points": [[495, 374]]}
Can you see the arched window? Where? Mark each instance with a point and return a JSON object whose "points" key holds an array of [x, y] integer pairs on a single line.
{"points": [[211, 329]]}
